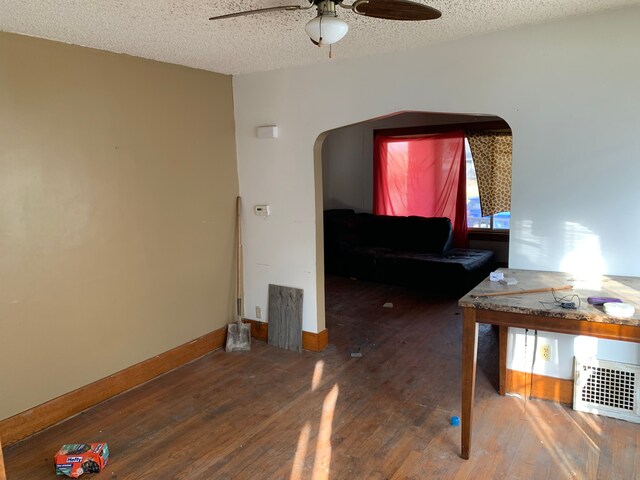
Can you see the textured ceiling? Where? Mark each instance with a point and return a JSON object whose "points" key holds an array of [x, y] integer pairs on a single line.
{"points": [[178, 31]]}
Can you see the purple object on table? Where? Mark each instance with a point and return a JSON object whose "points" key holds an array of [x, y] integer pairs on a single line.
{"points": [[602, 300]]}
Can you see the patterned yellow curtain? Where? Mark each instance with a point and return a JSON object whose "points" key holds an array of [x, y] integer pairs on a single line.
{"points": [[492, 152]]}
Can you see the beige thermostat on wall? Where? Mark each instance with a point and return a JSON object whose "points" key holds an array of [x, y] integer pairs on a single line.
{"points": [[262, 210]]}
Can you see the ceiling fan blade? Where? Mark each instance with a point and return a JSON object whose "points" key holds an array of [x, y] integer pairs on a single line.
{"points": [[395, 10], [261, 10]]}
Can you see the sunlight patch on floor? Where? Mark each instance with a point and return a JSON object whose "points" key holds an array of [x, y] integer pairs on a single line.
{"points": [[301, 452], [322, 462], [548, 436], [317, 375]]}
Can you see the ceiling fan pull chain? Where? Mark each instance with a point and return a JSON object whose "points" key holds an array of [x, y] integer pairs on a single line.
{"points": [[330, 52]]}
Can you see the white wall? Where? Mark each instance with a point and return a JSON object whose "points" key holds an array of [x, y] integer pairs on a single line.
{"points": [[347, 168], [567, 89]]}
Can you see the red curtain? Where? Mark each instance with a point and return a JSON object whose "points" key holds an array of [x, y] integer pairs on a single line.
{"points": [[424, 176]]}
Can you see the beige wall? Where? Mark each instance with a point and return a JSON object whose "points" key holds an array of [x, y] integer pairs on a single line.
{"points": [[118, 180]]}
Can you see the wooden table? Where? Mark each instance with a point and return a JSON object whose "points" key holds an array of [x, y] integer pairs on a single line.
{"points": [[527, 311]]}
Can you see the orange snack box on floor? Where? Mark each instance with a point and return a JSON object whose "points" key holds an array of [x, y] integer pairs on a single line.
{"points": [[77, 458]]}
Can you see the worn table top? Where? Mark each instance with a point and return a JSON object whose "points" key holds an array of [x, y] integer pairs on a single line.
{"points": [[626, 289]]}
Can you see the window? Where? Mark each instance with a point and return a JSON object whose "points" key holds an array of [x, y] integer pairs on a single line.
{"points": [[499, 221]]}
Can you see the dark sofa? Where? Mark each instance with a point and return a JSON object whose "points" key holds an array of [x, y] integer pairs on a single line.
{"points": [[411, 251]]}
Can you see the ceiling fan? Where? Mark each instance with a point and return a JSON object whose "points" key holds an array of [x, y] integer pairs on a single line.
{"points": [[326, 28]]}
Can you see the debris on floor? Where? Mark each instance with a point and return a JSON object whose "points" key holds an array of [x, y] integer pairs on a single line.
{"points": [[356, 354], [75, 459], [387, 305]]}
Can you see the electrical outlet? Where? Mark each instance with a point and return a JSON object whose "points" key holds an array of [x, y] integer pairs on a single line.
{"points": [[258, 312], [545, 352]]}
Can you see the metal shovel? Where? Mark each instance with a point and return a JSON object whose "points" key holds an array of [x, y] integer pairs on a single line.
{"points": [[238, 333]]}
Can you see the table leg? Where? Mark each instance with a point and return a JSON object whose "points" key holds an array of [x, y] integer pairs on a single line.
{"points": [[503, 332], [469, 357]]}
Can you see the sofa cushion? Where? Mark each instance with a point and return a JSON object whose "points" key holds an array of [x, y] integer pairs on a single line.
{"points": [[456, 271], [457, 260], [468, 258], [417, 234], [430, 235]]}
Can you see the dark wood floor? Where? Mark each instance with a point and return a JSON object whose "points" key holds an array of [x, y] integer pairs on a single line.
{"points": [[274, 414]]}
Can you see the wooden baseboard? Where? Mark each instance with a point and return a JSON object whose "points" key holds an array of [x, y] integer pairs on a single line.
{"points": [[23, 424], [539, 386], [3, 475], [314, 342], [259, 330]]}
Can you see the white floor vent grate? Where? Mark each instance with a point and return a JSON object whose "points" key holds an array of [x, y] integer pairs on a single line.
{"points": [[607, 388]]}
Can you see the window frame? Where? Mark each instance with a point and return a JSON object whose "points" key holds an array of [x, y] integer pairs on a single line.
{"points": [[491, 228]]}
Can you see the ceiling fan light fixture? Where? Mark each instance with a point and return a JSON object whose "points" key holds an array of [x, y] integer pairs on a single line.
{"points": [[326, 29]]}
